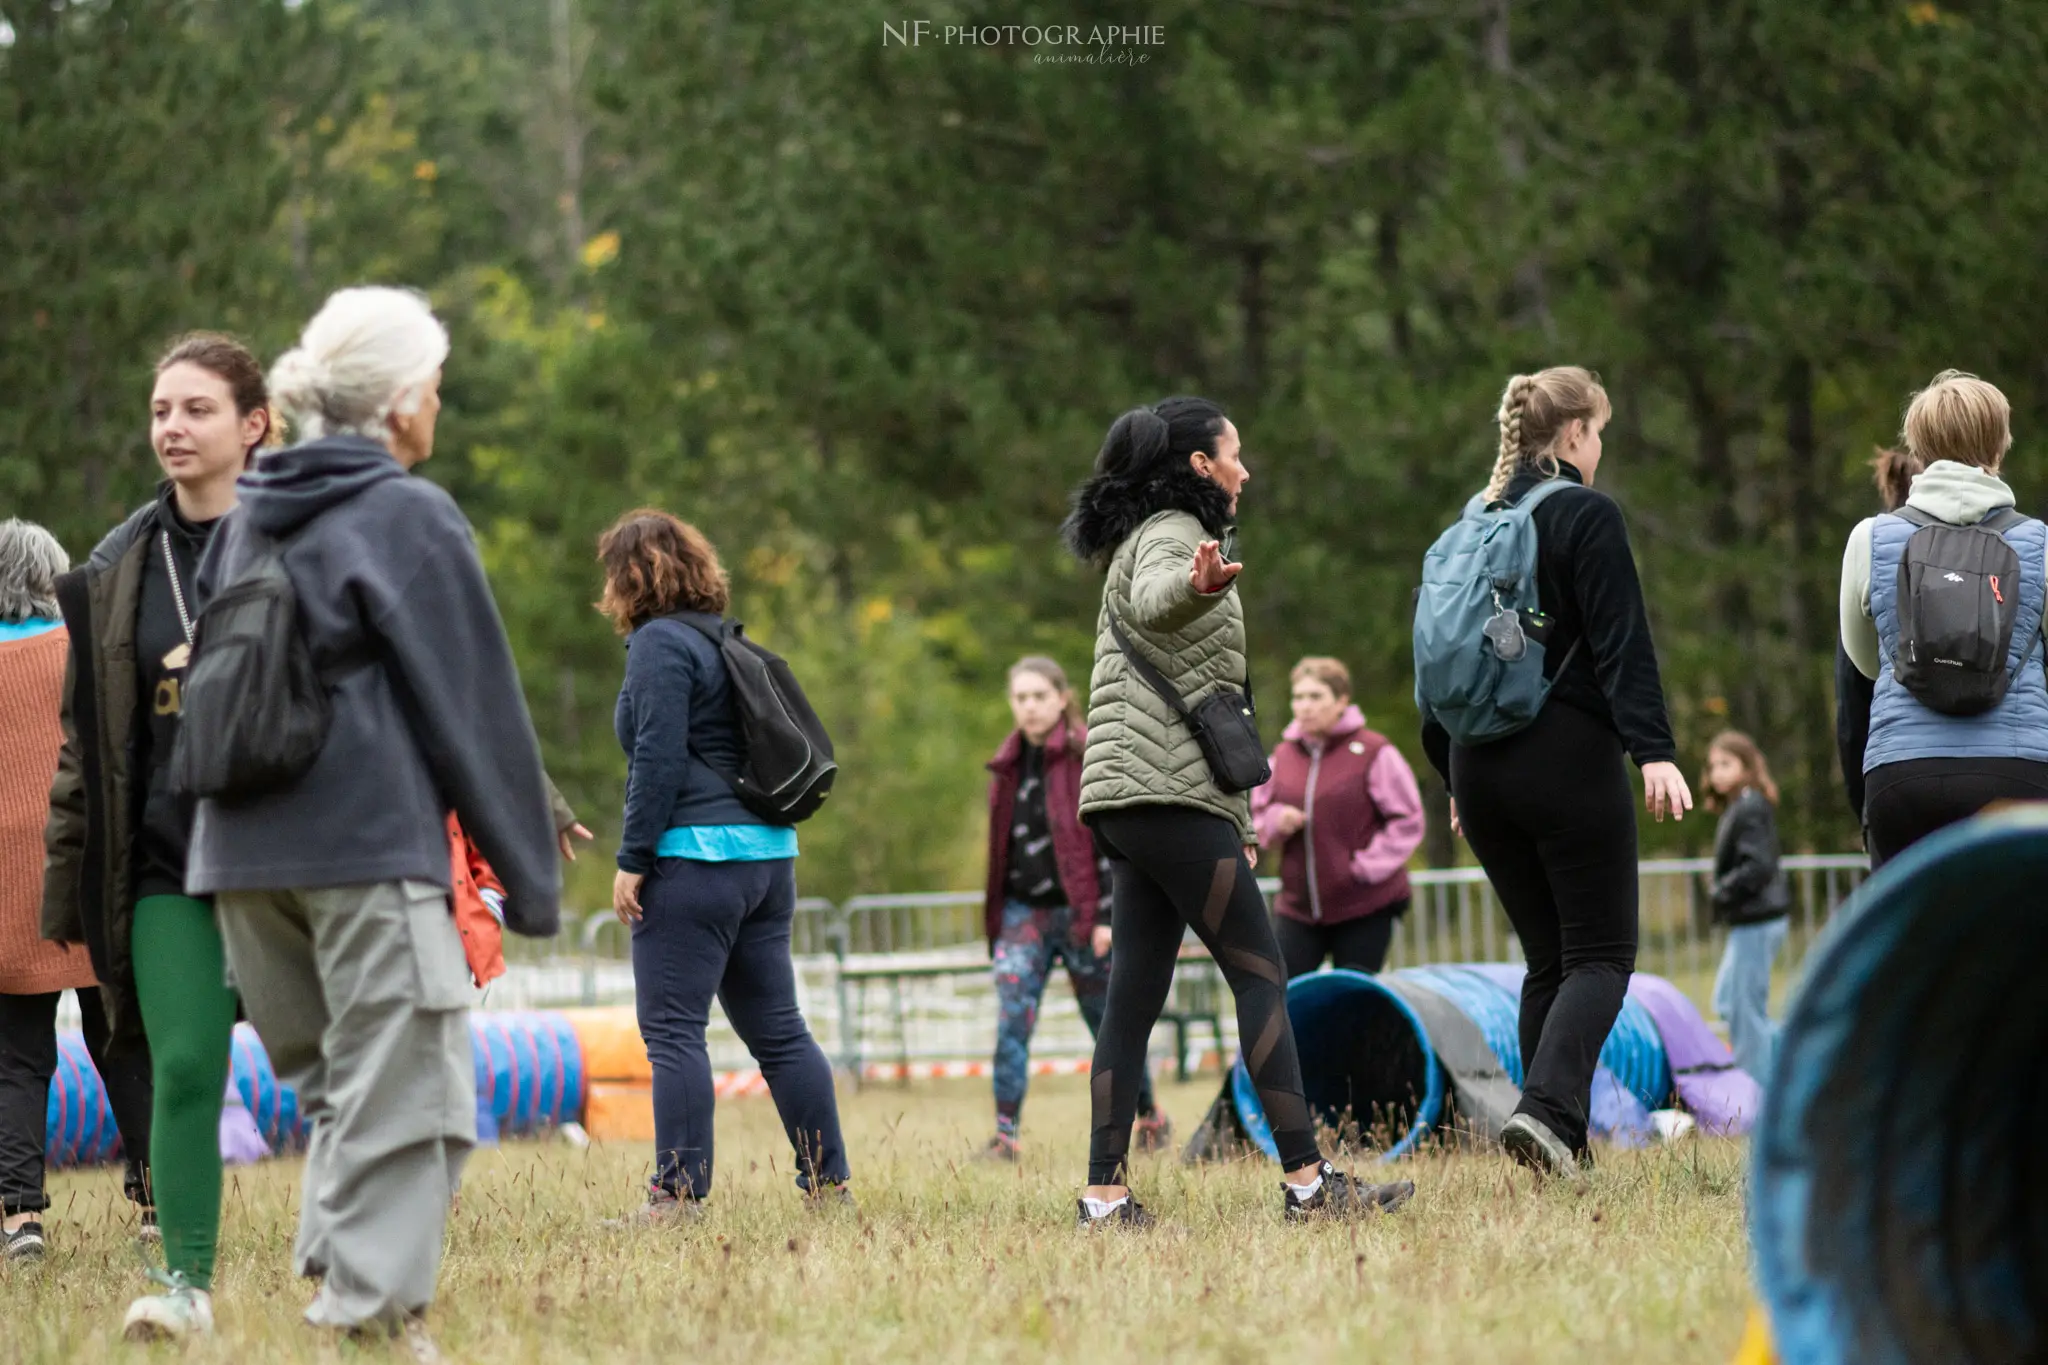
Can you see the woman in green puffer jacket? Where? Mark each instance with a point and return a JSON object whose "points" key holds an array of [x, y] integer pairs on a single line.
{"points": [[1157, 518]]}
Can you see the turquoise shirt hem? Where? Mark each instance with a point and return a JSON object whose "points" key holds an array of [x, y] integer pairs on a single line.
{"points": [[728, 843], [25, 630]]}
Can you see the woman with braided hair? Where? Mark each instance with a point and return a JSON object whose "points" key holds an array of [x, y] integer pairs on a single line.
{"points": [[1548, 809]]}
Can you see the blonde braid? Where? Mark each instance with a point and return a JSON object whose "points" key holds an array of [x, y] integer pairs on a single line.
{"points": [[1512, 401]]}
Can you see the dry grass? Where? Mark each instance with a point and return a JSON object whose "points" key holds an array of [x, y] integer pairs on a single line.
{"points": [[947, 1260]]}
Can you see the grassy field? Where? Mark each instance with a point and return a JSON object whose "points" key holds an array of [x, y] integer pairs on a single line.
{"points": [[949, 1260]]}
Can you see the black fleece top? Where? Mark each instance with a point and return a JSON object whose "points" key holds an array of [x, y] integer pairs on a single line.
{"points": [[161, 650], [1586, 578]]}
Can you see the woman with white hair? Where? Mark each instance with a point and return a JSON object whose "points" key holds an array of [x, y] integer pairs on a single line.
{"points": [[34, 973], [333, 886]]}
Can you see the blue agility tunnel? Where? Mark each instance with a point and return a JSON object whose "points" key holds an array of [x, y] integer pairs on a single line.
{"points": [[1365, 1057], [529, 1076], [1900, 1204], [1405, 1052]]}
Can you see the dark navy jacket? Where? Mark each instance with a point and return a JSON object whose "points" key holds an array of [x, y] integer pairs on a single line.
{"points": [[385, 566], [674, 720]]}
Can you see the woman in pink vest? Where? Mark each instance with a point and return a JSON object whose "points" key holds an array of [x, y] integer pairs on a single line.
{"points": [[1343, 809]]}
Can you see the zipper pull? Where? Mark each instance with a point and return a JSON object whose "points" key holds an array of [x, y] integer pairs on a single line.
{"points": [[1995, 592]]}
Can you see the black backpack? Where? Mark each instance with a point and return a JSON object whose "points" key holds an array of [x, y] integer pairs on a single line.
{"points": [[788, 769], [1959, 598], [254, 711]]}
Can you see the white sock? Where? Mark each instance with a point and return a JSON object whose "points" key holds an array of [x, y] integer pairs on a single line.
{"points": [[1102, 1208], [1304, 1193]]}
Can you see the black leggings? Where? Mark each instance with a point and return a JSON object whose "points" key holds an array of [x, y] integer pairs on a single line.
{"points": [[1551, 814], [1175, 868], [28, 1059], [1905, 802], [1358, 945]]}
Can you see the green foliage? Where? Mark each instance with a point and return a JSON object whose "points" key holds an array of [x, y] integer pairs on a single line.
{"points": [[862, 311]]}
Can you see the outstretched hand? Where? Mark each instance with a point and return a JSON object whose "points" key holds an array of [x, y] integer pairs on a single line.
{"points": [[566, 840], [1209, 572]]}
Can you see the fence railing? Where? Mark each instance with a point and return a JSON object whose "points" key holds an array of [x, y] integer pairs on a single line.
{"points": [[910, 973]]}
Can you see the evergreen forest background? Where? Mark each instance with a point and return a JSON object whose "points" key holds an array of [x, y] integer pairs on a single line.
{"points": [[863, 309]]}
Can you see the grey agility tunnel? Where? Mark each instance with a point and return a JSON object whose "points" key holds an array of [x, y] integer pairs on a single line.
{"points": [[1426, 1050], [1899, 1201]]}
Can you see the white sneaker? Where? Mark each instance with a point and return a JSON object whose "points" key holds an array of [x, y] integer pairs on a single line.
{"points": [[180, 1311]]}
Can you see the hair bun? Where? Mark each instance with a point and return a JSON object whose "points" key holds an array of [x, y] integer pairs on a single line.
{"points": [[298, 379]]}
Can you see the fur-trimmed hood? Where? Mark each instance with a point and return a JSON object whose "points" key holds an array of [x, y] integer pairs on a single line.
{"points": [[1108, 507]]}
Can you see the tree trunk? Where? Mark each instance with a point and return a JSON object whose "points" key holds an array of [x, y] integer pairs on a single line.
{"points": [[1531, 292], [569, 125]]}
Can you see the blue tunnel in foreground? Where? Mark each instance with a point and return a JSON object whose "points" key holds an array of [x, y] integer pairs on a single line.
{"points": [[1900, 1200]]}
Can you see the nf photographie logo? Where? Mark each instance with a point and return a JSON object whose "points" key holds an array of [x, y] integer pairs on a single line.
{"points": [[1049, 44]]}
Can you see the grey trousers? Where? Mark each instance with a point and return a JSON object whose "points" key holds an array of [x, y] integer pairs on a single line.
{"points": [[360, 995]]}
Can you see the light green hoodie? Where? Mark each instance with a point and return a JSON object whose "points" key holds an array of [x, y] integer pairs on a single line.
{"points": [[1959, 494]]}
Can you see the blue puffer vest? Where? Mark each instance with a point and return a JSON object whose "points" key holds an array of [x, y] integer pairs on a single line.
{"points": [[1900, 727]]}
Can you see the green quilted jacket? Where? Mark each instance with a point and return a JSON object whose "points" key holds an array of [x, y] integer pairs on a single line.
{"points": [[1139, 752]]}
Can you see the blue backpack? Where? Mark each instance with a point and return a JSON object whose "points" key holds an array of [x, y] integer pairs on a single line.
{"points": [[1477, 668]]}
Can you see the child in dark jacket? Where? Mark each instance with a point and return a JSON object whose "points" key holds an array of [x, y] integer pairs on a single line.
{"points": [[1749, 895]]}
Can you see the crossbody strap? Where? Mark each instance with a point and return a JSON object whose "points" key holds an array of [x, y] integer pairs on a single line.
{"points": [[1142, 666], [1156, 680]]}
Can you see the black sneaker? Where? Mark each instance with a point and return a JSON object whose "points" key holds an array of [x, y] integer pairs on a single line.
{"points": [[1531, 1142], [1127, 1213], [25, 1243], [1345, 1196]]}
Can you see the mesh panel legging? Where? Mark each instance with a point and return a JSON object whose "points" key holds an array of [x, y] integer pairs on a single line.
{"points": [[1177, 867]]}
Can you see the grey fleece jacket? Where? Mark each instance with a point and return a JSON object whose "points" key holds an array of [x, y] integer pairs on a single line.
{"points": [[385, 565], [1958, 494]]}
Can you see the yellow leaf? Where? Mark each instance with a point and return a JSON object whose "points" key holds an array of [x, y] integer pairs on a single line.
{"points": [[1923, 14], [601, 249], [426, 170]]}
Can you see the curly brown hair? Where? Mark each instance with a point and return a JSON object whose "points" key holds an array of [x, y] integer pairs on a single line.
{"points": [[656, 563]]}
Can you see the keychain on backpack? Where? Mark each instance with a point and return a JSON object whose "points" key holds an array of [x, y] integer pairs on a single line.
{"points": [[1503, 630]]}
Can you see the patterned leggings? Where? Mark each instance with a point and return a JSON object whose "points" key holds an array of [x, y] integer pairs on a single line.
{"points": [[1031, 941]]}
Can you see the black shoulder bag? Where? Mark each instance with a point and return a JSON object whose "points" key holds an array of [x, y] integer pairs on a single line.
{"points": [[1225, 723]]}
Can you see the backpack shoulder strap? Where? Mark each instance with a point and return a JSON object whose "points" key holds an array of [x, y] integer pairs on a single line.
{"points": [[1906, 512], [716, 629], [712, 628], [2004, 519], [1544, 490]]}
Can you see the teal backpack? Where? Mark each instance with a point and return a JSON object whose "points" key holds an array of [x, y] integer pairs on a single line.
{"points": [[1478, 670]]}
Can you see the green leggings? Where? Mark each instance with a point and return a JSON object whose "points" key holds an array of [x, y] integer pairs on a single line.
{"points": [[189, 1013]]}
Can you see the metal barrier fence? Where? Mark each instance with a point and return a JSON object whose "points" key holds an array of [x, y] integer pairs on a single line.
{"points": [[905, 979]]}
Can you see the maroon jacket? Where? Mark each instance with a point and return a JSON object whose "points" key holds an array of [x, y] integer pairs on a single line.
{"points": [[1365, 819], [1073, 847]]}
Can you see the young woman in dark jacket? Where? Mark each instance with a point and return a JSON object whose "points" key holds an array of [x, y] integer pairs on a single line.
{"points": [[1749, 894], [118, 839], [1044, 891], [1548, 809], [708, 888]]}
